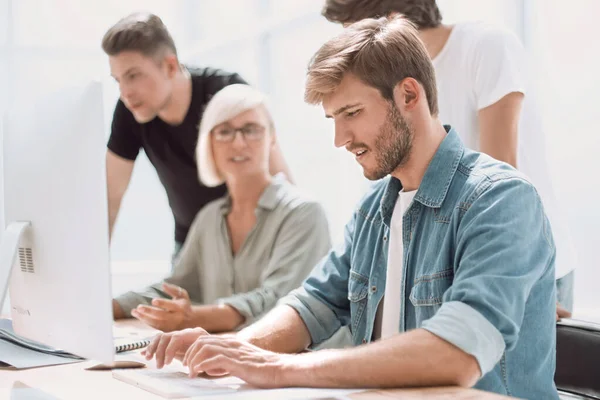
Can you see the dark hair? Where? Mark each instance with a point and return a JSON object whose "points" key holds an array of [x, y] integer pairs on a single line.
{"points": [[143, 32], [422, 13]]}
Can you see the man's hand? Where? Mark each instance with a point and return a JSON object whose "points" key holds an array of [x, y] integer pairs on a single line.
{"points": [[167, 346], [562, 312], [167, 315], [217, 356]]}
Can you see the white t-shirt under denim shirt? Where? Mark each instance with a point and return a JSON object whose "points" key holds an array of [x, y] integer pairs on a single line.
{"points": [[478, 66], [387, 318]]}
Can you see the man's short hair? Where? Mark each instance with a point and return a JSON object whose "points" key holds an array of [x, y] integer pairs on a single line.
{"points": [[143, 32], [422, 13], [380, 52]]}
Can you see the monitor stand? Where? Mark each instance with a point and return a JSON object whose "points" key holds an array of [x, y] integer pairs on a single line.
{"points": [[8, 253]]}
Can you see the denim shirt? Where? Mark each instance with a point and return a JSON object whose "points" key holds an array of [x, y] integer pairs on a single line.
{"points": [[478, 270]]}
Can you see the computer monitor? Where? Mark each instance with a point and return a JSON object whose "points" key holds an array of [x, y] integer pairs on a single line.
{"points": [[55, 209]]}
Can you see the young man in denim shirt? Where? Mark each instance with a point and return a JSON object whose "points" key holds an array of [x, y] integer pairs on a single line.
{"points": [[447, 265], [485, 93]]}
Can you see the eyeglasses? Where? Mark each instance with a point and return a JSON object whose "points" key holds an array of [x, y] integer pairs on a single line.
{"points": [[251, 132]]}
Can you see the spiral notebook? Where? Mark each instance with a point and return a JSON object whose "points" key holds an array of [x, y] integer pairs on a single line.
{"points": [[128, 344]]}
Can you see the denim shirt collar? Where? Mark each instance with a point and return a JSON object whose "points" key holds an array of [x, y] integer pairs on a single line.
{"points": [[436, 181]]}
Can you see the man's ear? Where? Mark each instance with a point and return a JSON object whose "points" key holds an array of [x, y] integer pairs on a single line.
{"points": [[172, 65], [407, 94]]}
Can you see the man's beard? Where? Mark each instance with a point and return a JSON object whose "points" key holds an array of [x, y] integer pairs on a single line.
{"points": [[392, 145]]}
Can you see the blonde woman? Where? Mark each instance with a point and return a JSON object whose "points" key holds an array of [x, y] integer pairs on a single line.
{"points": [[245, 250]]}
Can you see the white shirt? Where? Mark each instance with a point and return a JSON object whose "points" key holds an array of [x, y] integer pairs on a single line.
{"points": [[390, 320], [478, 66]]}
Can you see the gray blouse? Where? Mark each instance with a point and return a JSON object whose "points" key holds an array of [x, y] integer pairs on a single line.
{"points": [[290, 236]]}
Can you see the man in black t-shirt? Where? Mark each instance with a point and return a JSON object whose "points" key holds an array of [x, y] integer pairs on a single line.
{"points": [[159, 111]]}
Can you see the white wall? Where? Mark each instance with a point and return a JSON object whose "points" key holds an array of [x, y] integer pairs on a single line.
{"points": [[567, 64], [507, 13]]}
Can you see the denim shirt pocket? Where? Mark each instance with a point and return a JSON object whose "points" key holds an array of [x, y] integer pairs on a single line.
{"points": [[427, 293], [358, 287]]}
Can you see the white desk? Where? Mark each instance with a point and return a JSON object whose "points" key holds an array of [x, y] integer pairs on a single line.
{"points": [[73, 382]]}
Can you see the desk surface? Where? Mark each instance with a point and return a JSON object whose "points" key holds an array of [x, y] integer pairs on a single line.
{"points": [[73, 382]]}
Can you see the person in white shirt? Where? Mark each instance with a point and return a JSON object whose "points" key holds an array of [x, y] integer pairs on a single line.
{"points": [[483, 92]]}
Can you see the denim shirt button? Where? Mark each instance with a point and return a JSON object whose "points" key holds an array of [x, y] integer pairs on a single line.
{"points": [[385, 238], [373, 289], [364, 341]]}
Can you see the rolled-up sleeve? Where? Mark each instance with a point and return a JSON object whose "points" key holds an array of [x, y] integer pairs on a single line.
{"points": [[504, 246], [322, 301], [303, 239], [464, 327]]}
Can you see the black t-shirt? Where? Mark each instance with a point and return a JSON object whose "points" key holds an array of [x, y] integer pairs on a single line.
{"points": [[171, 149]]}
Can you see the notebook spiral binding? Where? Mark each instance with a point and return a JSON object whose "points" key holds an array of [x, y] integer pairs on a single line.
{"points": [[132, 346]]}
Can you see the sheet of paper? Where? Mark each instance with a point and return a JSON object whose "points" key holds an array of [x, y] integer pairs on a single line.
{"points": [[8, 334], [20, 357]]}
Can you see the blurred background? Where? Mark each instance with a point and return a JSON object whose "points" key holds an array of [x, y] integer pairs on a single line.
{"points": [[45, 44]]}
